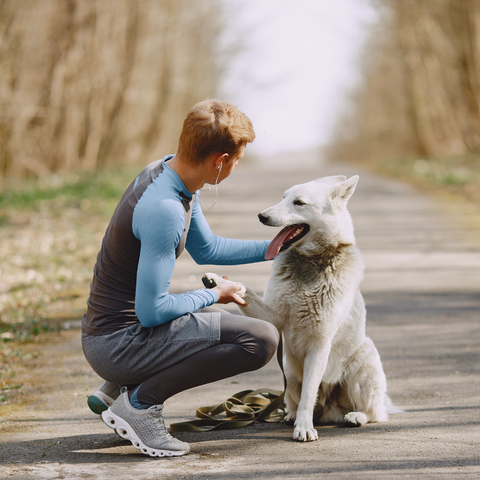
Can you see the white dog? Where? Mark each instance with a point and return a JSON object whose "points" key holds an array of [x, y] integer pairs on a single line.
{"points": [[333, 370]]}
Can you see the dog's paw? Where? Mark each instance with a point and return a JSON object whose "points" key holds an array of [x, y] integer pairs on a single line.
{"points": [[355, 419], [290, 417], [211, 280], [304, 432]]}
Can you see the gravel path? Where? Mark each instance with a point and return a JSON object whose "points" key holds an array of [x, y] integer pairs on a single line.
{"points": [[422, 290]]}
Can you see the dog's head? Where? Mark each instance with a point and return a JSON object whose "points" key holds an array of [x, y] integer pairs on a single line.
{"points": [[310, 213]]}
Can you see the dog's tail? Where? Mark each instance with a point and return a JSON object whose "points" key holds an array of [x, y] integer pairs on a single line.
{"points": [[390, 407]]}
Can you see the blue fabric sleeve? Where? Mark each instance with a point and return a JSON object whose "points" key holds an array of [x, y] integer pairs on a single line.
{"points": [[207, 248], [159, 226]]}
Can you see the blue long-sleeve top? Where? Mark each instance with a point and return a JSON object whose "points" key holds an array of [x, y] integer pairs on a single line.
{"points": [[135, 264]]}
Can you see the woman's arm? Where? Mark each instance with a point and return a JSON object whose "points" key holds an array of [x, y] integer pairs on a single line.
{"points": [[207, 248], [159, 229]]}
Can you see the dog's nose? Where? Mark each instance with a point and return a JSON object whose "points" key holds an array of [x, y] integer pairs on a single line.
{"points": [[263, 218]]}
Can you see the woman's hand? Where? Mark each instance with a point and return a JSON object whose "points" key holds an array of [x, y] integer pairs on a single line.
{"points": [[227, 293]]}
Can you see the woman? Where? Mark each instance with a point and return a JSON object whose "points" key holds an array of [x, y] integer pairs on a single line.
{"points": [[138, 336]]}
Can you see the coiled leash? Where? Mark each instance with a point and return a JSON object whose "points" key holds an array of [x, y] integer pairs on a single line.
{"points": [[241, 409]]}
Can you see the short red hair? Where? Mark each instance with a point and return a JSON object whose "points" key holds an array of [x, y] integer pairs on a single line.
{"points": [[213, 127]]}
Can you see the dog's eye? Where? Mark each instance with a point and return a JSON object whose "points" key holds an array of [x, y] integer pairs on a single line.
{"points": [[299, 203]]}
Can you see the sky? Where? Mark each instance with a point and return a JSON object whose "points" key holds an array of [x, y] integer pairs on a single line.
{"points": [[299, 62]]}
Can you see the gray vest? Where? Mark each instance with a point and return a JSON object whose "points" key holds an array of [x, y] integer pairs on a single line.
{"points": [[187, 206]]}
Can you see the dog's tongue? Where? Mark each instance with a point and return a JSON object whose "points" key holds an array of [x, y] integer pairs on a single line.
{"points": [[279, 240]]}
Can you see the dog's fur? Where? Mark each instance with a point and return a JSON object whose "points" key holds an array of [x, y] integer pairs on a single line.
{"points": [[333, 370]]}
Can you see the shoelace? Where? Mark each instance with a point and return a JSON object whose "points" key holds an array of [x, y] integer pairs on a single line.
{"points": [[158, 421]]}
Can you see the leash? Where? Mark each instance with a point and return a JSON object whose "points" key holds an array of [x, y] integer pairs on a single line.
{"points": [[241, 409]]}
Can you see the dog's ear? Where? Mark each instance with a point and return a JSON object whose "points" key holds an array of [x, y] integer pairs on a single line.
{"points": [[342, 192], [332, 179]]}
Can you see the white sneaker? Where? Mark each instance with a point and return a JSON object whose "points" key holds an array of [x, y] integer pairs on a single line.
{"points": [[144, 428]]}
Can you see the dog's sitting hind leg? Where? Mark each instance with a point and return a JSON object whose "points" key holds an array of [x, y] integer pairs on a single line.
{"points": [[366, 385]]}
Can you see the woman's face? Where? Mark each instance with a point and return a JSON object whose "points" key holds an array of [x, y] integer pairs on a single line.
{"points": [[229, 166]]}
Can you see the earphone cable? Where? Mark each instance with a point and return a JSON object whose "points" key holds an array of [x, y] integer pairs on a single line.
{"points": [[216, 190]]}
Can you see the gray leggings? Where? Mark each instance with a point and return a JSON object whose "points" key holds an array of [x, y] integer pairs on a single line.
{"points": [[238, 344]]}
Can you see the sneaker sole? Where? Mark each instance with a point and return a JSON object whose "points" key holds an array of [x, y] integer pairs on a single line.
{"points": [[96, 405], [125, 431]]}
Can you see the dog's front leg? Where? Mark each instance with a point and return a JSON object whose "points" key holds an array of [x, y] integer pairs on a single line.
{"points": [[256, 308], [315, 365]]}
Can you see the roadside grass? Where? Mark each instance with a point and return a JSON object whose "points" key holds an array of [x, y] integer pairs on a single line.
{"points": [[455, 178], [50, 233], [92, 191]]}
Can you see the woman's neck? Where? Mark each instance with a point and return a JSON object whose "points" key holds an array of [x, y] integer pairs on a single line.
{"points": [[193, 177]]}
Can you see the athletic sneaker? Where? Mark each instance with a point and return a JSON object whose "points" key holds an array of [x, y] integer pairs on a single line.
{"points": [[144, 428]]}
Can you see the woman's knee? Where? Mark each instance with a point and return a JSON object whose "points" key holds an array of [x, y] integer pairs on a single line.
{"points": [[267, 343], [259, 339]]}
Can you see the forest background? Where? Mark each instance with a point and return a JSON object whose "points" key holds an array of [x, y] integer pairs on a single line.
{"points": [[86, 87]]}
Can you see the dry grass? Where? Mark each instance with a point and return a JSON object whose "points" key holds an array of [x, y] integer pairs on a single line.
{"points": [[455, 179], [50, 237]]}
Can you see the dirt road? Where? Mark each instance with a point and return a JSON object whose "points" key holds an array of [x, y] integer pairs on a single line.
{"points": [[422, 290]]}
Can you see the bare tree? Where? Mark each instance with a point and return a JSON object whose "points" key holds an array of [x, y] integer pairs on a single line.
{"points": [[421, 89], [87, 83]]}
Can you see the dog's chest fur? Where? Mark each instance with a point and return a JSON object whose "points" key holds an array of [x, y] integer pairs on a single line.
{"points": [[303, 290]]}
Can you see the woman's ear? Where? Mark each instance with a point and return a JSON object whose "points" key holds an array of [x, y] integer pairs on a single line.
{"points": [[219, 158]]}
